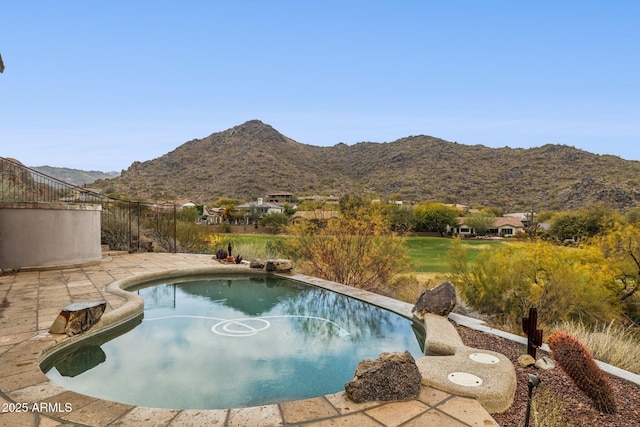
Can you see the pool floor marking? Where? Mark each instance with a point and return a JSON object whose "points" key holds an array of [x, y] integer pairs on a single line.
{"points": [[225, 328]]}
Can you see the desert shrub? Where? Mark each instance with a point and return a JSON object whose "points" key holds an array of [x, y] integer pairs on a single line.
{"points": [[577, 362], [405, 287], [251, 251], [357, 249], [115, 233], [564, 283], [192, 238]]}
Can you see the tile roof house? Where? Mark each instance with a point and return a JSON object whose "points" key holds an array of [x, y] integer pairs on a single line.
{"points": [[260, 208], [503, 226]]}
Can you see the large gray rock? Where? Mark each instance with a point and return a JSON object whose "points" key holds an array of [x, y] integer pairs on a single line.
{"points": [[78, 317], [256, 263], [392, 376], [440, 300], [280, 265]]}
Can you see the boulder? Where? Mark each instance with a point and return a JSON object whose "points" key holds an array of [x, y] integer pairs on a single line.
{"points": [[256, 263], [392, 376], [78, 317], [526, 360], [440, 300], [545, 363], [279, 265]]}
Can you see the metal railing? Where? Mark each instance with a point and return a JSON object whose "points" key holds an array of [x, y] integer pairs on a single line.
{"points": [[122, 221]]}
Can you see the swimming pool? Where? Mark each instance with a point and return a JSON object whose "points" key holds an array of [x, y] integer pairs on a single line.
{"points": [[237, 341]]}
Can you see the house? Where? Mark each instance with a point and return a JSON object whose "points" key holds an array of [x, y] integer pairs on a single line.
{"points": [[524, 217], [280, 197], [319, 217], [503, 226], [258, 209], [213, 215], [185, 203]]}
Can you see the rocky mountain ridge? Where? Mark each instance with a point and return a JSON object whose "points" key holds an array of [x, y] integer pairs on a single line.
{"points": [[253, 159]]}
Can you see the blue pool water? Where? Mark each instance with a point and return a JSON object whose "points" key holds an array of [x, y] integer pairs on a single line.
{"points": [[235, 342]]}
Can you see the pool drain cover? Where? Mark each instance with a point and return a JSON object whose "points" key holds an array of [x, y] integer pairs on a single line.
{"points": [[465, 379], [484, 358]]}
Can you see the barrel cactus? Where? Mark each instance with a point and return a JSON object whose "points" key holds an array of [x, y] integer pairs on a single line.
{"points": [[576, 360]]}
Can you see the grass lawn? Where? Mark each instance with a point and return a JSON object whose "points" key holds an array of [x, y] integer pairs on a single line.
{"points": [[427, 254], [430, 254], [258, 239]]}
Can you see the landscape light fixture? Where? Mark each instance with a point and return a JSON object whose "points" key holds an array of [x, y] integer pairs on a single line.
{"points": [[534, 381]]}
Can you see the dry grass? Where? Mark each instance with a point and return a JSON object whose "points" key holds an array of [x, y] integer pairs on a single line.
{"points": [[408, 287], [547, 409], [611, 343], [249, 251]]}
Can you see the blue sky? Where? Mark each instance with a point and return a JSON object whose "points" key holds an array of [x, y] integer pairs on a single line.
{"points": [[99, 85]]}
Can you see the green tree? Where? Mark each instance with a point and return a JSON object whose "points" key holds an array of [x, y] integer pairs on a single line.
{"points": [[403, 218], [584, 223], [288, 210], [434, 216], [481, 222], [621, 249], [275, 221], [350, 205]]}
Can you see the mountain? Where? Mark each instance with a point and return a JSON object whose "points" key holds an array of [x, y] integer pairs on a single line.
{"points": [[74, 176], [253, 159]]}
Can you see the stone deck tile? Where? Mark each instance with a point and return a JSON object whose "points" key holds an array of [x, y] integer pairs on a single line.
{"points": [[98, 413], [39, 392], [395, 413], [14, 315], [12, 337], [434, 418], [45, 421], [196, 417], [344, 405], [258, 416], [76, 400], [467, 410], [307, 410], [432, 396], [147, 417], [358, 419]]}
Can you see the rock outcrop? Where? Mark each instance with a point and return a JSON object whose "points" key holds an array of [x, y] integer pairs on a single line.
{"points": [[78, 317], [392, 376], [440, 300], [279, 265]]}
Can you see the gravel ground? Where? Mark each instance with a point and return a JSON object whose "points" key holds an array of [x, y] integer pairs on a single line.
{"points": [[577, 407]]}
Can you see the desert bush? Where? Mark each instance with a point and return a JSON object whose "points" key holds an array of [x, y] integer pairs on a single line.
{"points": [[405, 287], [565, 283], [357, 249], [251, 251], [115, 233], [577, 362]]}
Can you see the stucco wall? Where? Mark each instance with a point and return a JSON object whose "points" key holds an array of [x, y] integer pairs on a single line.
{"points": [[41, 234]]}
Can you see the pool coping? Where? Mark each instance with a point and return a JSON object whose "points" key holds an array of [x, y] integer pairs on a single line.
{"points": [[23, 381]]}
